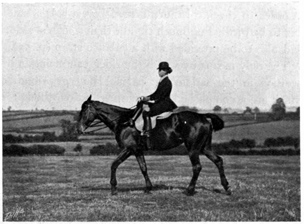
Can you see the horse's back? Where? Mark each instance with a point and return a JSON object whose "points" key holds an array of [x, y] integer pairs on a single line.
{"points": [[194, 117]]}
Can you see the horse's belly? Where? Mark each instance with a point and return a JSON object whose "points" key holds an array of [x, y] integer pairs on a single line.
{"points": [[164, 142]]}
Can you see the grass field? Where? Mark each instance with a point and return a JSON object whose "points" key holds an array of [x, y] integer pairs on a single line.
{"points": [[77, 189], [259, 132], [237, 127], [32, 122]]}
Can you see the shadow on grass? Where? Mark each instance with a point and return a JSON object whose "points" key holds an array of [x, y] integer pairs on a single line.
{"points": [[157, 187]]}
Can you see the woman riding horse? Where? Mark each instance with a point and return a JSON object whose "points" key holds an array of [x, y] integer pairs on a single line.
{"points": [[193, 129], [159, 101]]}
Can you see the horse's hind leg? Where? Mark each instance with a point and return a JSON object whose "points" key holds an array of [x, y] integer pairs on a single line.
{"points": [[194, 145], [218, 161], [196, 166], [143, 167]]}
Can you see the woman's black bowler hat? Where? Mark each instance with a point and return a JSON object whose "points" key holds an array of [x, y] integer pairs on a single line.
{"points": [[164, 66]]}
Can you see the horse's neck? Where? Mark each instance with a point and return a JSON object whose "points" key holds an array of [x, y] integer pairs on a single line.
{"points": [[110, 114]]}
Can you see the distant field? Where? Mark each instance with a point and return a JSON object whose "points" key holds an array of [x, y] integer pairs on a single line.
{"points": [[259, 132], [32, 122], [9, 114], [35, 122], [77, 189], [236, 126]]}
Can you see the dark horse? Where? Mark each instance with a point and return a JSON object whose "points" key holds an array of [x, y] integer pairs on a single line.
{"points": [[187, 127]]}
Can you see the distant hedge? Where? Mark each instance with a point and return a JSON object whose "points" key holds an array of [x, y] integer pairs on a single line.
{"points": [[107, 149], [272, 151], [15, 150], [42, 150], [44, 137], [282, 141], [234, 147], [179, 150]]}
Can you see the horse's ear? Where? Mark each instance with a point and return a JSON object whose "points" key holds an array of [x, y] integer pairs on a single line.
{"points": [[89, 99]]}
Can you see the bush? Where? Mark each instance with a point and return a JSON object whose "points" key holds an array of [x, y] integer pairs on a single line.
{"points": [[270, 142], [78, 148]]}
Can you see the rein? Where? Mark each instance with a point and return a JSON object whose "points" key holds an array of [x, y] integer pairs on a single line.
{"points": [[102, 125], [99, 124]]}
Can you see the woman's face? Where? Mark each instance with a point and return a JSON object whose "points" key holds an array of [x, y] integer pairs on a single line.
{"points": [[162, 73]]}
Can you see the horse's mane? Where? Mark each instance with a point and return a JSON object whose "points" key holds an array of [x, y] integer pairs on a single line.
{"points": [[123, 113]]}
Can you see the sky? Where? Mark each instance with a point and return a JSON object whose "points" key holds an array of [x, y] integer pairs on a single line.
{"points": [[55, 55]]}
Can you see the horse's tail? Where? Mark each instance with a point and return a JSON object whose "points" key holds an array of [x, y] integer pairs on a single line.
{"points": [[216, 121]]}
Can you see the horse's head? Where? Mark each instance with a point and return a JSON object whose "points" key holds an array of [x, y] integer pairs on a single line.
{"points": [[86, 116]]}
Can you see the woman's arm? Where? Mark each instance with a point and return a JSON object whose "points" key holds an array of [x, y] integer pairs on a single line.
{"points": [[163, 91]]}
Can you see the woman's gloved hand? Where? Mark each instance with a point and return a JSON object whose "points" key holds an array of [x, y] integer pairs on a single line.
{"points": [[143, 98]]}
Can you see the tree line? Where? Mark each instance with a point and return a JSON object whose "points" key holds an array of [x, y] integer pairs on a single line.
{"points": [[277, 110]]}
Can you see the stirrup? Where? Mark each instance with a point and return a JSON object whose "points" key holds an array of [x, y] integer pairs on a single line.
{"points": [[131, 122], [146, 133]]}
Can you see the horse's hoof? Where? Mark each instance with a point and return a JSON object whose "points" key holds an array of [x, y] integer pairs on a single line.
{"points": [[189, 192], [228, 191], [147, 191], [217, 190], [114, 193]]}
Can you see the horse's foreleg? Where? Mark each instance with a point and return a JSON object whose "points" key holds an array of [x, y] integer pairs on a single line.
{"points": [[121, 158], [143, 167], [218, 161], [196, 166]]}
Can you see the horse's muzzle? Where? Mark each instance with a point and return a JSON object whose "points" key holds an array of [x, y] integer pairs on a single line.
{"points": [[80, 129]]}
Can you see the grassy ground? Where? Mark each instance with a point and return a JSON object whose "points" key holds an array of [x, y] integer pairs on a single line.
{"points": [[77, 189]]}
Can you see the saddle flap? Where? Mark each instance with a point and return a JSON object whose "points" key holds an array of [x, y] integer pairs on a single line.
{"points": [[139, 123], [164, 115]]}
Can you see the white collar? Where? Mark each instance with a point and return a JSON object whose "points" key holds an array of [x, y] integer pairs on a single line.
{"points": [[162, 78]]}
